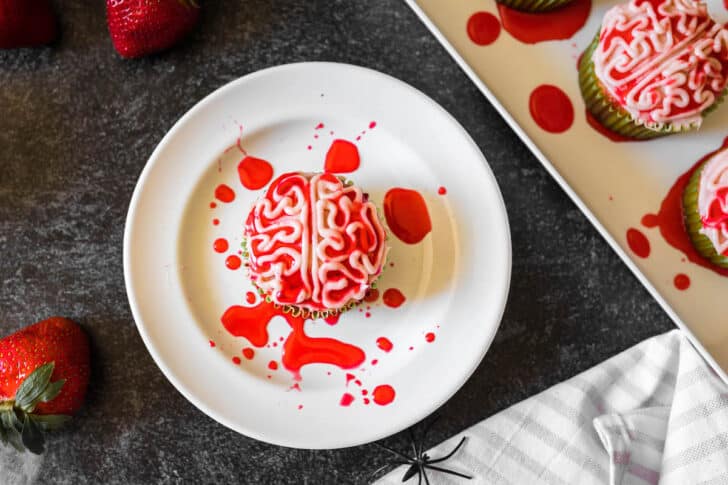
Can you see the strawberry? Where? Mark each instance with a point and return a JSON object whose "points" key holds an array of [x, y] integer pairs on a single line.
{"points": [[44, 371], [141, 27], [25, 23]]}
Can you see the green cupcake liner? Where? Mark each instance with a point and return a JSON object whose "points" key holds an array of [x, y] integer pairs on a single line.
{"points": [[693, 222], [534, 5]]}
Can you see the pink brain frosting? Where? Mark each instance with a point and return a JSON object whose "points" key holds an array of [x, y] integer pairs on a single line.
{"points": [[664, 62], [314, 242]]}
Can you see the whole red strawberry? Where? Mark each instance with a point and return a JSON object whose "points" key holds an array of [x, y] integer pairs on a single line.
{"points": [[141, 27], [44, 372], [25, 23]]}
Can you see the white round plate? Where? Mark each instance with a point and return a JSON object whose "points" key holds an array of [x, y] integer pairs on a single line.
{"points": [[456, 280]]}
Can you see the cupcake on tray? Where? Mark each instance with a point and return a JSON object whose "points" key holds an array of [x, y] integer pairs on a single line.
{"points": [[314, 244], [656, 67], [705, 207]]}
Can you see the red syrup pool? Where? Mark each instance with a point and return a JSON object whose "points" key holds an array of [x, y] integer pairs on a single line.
{"points": [[393, 298], [383, 394], [483, 28], [248, 353], [551, 109], [385, 344], [407, 215], [332, 319], [254, 173], [638, 242], [346, 399], [220, 245], [670, 218], [224, 193], [342, 157], [682, 281], [558, 24], [233, 262], [299, 349]]}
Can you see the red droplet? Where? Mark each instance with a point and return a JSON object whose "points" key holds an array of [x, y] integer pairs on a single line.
{"points": [[442, 191], [224, 193], [393, 298], [372, 295], [558, 24], [349, 378], [332, 319], [273, 365], [384, 343], [254, 173], [233, 262], [248, 353], [300, 406], [364, 392], [250, 297], [220, 245], [212, 343], [346, 399], [367, 314], [342, 157], [483, 28], [236, 360], [216, 222], [638, 242], [212, 205], [682, 282], [374, 361], [551, 109], [372, 125], [407, 215], [309, 147], [650, 220], [383, 394], [430, 337], [319, 126], [604, 131], [411, 348]]}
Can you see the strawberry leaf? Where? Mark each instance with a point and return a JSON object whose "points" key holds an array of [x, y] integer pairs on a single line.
{"points": [[49, 422], [52, 390], [33, 387], [32, 437], [9, 421]]}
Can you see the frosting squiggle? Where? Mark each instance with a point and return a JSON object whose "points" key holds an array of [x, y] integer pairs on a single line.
{"points": [[665, 62], [713, 201], [314, 242]]}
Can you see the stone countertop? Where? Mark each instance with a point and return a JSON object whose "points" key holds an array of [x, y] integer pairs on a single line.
{"points": [[78, 124]]}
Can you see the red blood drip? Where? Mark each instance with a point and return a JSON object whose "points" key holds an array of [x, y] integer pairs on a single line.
{"points": [[407, 215], [411, 348], [638, 242], [383, 394], [300, 406], [357, 382], [212, 343], [373, 124], [393, 298], [295, 387], [224, 193], [430, 337], [254, 173], [319, 126], [349, 378], [250, 322], [233, 262], [366, 401], [670, 218], [273, 365], [559, 24], [332, 319], [682, 282], [342, 157], [216, 222], [248, 353], [442, 191], [371, 296], [374, 362], [236, 360], [650, 220], [346, 399], [220, 245], [367, 315], [603, 130], [250, 297], [364, 392], [551, 109], [212, 205], [309, 147], [483, 28], [384, 344]]}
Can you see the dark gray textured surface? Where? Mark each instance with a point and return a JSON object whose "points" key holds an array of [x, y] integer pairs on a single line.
{"points": [[77, 124]]}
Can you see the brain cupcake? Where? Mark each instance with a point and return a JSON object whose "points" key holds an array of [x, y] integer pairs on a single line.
{"points": [[314, 244], [705, 206], [656, 67]]}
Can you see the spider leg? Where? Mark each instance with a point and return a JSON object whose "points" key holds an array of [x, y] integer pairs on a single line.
{"points": [[395, 452], [413, 443], [427, 480], [451, 453], [445, 470]]}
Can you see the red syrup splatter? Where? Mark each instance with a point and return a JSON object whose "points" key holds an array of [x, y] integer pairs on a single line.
{"points": [[357, 382], [236, 360], [220, 245], [366, 401], [346, 399], [374, 361], [393, 298], [682, 282], [300, 406], [299, 349], [295, 387], [407, 215], [212, 343], [224, 193], [248, 353], [442, 191], [212, 205], [368, 315], [332, 319], [383, 394], [371, 296], [385, 344], [309, 147], [551, 109], [430, 337], [216, 222], [254, 173], [638, 242], [349, 378], [319, 126], [670, 218], [606, 132], [373, 124], [559, 24], [250, 297], [483, 28], [273, 365], [342, 157], [233, 262]]}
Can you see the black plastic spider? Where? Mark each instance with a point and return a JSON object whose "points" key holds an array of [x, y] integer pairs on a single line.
{"points": [[421, 462]]}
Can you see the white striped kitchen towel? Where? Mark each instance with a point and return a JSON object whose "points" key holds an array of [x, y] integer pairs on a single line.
{"points": [[654, 414]]}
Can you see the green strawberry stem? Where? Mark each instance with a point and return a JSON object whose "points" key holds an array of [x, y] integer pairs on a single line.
{"points": [[19, 426]]}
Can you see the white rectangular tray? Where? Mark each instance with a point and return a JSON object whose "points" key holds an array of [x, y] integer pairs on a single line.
{"points": [[614, 184]]}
